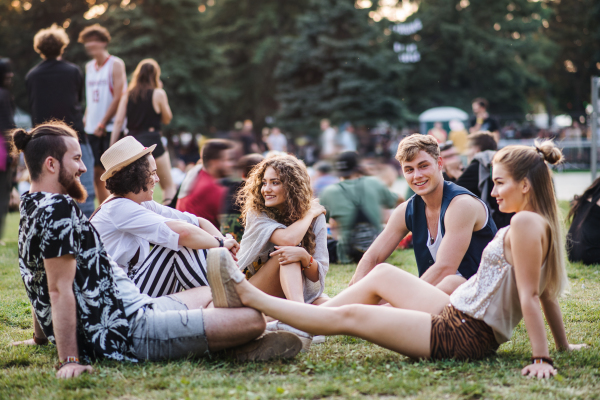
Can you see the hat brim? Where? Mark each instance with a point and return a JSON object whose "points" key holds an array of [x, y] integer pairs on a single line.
{"points": [[117, 167]]}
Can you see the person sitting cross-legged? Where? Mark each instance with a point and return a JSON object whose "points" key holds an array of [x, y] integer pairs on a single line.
{"points": [[129, 221], [450, 225], [522, 268], [84, 302]]}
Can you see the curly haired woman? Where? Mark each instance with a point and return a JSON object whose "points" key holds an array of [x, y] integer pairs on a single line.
{"points": [[284, 248]]}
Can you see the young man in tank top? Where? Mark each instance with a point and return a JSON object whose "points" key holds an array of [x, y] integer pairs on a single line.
{"points": [[105, 83], [450, 225]]}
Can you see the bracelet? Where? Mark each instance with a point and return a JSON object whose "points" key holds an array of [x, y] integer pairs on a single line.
{"points": [[309, 264], [542, 360], [39, 341], [220, 240], [69, 360]]}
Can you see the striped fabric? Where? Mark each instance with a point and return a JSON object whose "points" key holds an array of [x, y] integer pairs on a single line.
{"points": [[166, 271]]}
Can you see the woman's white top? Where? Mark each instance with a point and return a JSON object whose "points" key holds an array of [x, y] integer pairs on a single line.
{"points": [[255, 248], [126, 226], [491, 294]]}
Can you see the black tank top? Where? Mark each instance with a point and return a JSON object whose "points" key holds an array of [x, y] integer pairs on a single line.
{"points": [[141, 115]]}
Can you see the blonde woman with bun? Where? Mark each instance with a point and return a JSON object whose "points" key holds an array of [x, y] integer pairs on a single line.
{"points": [[522, 272]]}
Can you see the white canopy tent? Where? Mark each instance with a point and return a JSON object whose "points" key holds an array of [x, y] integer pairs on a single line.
{"points": [[441, 114]]}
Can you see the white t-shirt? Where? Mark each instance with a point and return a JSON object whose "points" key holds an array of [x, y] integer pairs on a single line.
{"points": [[328, 142], [277, 142], [99, 93], [126, 226]]}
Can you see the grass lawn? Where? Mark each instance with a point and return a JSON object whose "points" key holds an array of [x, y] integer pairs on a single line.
{"points": [[343, 367]]}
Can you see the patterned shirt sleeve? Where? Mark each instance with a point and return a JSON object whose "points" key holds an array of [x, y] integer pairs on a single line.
{"points": [[57, 235]]}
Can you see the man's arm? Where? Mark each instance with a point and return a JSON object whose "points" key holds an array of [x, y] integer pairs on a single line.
{"points": [[462, 216], [60, 272], [119, 82], [119, 120], [384, 245]]}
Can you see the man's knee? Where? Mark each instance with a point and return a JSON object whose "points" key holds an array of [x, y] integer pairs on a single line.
{"points": [[254, 322]]}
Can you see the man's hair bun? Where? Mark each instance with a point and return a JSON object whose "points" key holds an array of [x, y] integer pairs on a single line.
{"points": [[20, 138]]}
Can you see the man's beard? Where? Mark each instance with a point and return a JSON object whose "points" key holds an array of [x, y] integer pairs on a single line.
{"points": [[73, 187]]}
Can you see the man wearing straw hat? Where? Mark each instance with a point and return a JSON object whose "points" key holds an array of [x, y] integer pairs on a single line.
{"points": [[85, 303], [129, 221]]}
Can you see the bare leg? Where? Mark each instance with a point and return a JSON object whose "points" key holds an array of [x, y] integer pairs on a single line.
{"points": [[230, 327], [267, 279], [99, 186], [163, 169], [224, 327], [450, 283], [404, 331], [292, 282], [397, 287]]}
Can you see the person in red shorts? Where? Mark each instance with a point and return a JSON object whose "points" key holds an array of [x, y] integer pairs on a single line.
{"points": [[201, 193]]}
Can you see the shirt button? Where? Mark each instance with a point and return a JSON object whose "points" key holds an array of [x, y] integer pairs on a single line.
{"points": [[463, 321]]}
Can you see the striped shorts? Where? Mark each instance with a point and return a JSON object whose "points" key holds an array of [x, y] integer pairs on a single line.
{"points": [[456, 335], [166, 271]]}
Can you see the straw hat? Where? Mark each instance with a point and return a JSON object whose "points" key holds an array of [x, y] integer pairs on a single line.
{"points": [[121, 154]]}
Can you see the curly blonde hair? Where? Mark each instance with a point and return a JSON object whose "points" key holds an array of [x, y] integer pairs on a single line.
{"points": [[298, 194]]}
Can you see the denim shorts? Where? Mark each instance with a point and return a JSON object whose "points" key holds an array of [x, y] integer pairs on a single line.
{"points": [[166, 329]]}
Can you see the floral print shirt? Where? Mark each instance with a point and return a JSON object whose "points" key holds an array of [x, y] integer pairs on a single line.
{"points": [[52, 225]]}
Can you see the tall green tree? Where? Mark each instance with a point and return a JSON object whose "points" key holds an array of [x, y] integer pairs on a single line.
{"points": [[575, 27], [250, 33], [338, 66], [479, 48]]}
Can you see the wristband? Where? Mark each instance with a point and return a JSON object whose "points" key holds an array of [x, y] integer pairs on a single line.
{"points": [[542, 360], [69, 360], [220, 240], [39, 341]]}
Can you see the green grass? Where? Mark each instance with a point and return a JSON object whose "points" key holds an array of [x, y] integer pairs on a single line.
{"points": [[343, 367]]}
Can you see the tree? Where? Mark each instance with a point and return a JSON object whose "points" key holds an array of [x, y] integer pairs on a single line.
{"points": [[495, 50], [249, 33], [575, 27], [338, 66]]}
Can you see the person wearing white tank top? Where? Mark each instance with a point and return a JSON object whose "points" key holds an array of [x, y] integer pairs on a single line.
{"points": [[105, 83]]}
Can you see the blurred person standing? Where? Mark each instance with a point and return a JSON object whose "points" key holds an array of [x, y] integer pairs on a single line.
{"points": [[201, 193], [481, 120], [328, 140], [145, 107], [477, 177], [458, 135], [276, 141], [248, 139], [355, 207], [438, 132], [55, 90], [7, 123], [346, 139], [323, 177], [230, 219], [105, 83]]}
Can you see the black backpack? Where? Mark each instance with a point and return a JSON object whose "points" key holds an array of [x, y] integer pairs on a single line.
{"points": [[363, 232]]}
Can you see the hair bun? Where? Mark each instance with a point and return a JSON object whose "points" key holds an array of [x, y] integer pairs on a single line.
{"points": [[552, 154], [20, 138]]}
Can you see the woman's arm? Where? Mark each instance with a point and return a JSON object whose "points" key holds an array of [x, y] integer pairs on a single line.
{"points": [[196, 238], [293, 234], [119, 119], [527, 233], [555, 320], [209, 227], [163, 104]]}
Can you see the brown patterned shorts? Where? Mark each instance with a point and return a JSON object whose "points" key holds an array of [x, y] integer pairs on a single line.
{"points": [[456, 335]]}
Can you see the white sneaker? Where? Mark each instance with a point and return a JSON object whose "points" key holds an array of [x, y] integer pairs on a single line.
{"points": [[318, 339], [305, 338]]}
